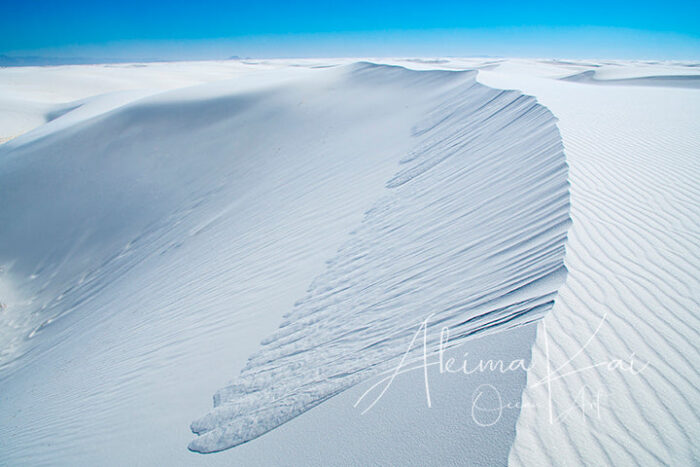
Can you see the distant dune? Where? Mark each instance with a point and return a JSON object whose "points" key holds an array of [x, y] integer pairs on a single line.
{"points": [[680, 81]]}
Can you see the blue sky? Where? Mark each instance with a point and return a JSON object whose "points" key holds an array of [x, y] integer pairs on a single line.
{"points": [[218, 29]]}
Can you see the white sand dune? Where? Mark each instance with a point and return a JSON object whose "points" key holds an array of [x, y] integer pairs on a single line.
{"points": [[32, 96], [160, 232], [679, 81], [484, 191], [211, 210]]}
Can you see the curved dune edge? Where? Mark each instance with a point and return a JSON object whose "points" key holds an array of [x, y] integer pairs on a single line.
{"points": [[471, 231]]}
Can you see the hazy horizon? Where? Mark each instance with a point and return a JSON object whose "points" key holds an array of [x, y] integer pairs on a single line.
{"points": [[129, 31]]}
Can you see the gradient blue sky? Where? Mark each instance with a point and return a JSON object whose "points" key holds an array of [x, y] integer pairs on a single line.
{"points": [[216, 29]]}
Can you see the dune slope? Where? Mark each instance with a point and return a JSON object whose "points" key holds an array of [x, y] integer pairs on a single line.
{"points": [[154, 245], [470, 231]]}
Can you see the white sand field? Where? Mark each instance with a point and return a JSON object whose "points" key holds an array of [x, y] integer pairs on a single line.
{"points": [[273, 233]]}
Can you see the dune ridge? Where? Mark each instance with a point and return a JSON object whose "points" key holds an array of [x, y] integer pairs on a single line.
{"points": [[471, 231], [210, 211]]}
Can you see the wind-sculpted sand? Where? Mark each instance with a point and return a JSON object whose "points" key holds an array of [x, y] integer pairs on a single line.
{"points": [[274, 232], [472, 228]]}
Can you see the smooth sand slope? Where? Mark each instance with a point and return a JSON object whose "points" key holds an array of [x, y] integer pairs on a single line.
{"points": [[156, 242]]}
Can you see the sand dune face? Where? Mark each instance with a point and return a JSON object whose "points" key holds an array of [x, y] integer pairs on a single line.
{"points": [[213, 209], [489, 165], [173, 230]]}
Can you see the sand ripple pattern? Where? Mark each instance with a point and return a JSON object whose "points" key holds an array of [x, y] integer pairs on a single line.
{"points": [[632, 288]]}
